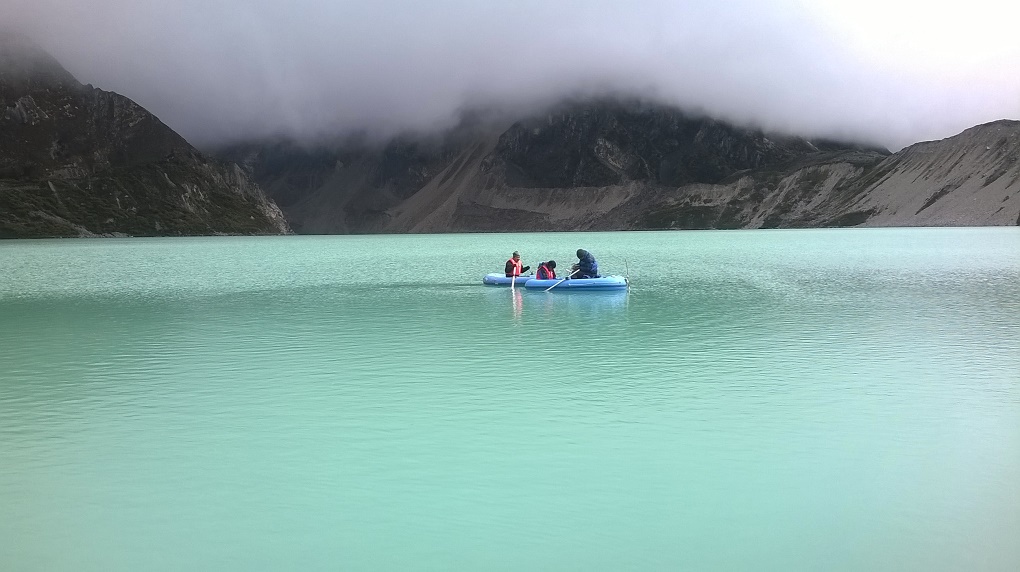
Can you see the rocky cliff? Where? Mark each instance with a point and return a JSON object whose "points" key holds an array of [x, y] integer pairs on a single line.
{"points": [[79, 161], [608, 165]]}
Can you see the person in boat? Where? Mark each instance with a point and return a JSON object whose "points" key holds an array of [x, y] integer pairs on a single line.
{"points": [[546, 271], [514, 267], [586, 266]]}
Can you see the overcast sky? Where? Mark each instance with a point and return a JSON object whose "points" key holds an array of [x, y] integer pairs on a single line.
{"points": [[892, 72]]}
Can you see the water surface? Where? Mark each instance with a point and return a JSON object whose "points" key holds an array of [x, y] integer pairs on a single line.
{"points": [[797, 400]]}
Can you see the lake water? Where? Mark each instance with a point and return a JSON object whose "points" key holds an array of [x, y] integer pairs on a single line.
{"points": [[759, 400]]}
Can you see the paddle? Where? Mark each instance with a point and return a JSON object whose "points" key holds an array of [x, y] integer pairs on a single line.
{"points": [[562, 279]]}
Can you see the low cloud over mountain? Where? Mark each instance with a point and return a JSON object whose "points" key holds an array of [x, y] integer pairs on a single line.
{"points": [[889, 73]]}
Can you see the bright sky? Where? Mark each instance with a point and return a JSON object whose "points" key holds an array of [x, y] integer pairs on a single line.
{"points": [[892, 72], [956, 38]]}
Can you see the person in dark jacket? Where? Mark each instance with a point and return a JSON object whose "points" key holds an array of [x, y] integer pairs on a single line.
{"points": [[586, 266], [513, 266], [546, 271]]}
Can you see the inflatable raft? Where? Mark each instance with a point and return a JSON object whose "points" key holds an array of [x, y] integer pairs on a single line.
{"points": [[496, 279], [579, 284]]}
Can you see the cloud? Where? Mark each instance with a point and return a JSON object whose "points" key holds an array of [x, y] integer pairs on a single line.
{"points": [[215, 70]]}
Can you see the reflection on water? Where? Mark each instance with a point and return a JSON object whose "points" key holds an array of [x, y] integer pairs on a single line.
{"points": [[816, 400], [587, 305]]}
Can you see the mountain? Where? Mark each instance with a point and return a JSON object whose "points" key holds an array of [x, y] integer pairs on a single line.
{"points": [[79, 161], [970, 179], [614, 165]]}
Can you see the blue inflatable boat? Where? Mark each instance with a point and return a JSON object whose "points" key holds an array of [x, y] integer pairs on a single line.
{"points": [[579, 284], [496, 279]]}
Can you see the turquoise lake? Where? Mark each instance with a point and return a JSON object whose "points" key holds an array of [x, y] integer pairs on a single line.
{"points": [[838, 399]]}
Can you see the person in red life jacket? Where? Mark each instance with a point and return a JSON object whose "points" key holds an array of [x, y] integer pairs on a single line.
{"points": [[546, 271], [513, 266]]}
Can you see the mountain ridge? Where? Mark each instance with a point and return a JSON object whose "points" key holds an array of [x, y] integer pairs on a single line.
{"points": [[79, 161], [605, 166]]}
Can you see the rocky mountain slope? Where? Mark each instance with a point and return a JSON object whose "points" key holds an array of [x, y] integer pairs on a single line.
{"points": [[608, 165], [80, 161], [970, 179]]}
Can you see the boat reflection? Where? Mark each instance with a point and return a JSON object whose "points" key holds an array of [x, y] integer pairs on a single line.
{"points": [[536, 304], [579, 302]]}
